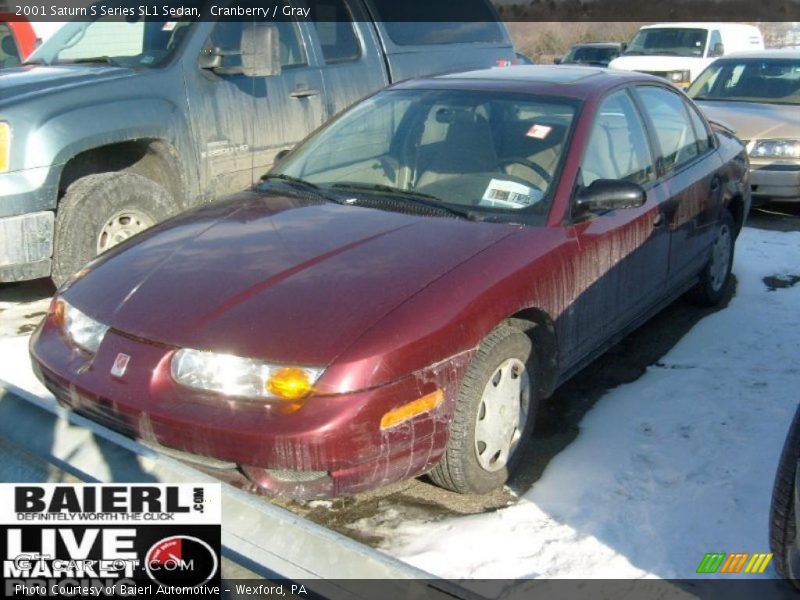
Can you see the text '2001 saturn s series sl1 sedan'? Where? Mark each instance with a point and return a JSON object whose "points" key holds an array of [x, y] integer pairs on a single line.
{"points": [[404, 288]]}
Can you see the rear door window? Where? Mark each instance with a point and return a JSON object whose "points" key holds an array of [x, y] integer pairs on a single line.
{"points": [[337, 36]]}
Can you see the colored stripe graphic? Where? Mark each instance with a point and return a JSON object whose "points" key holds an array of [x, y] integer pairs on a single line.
{"points": [[734, 563], [758, 563], [711, 562]]}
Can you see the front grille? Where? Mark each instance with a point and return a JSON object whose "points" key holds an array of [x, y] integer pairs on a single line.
{"points": [[663, 74]]}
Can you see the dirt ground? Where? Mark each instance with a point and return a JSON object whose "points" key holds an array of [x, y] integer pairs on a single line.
{"points": [[22, 305]]}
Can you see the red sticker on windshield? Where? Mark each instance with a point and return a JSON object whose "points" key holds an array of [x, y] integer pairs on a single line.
{"points": [[539, 131]]}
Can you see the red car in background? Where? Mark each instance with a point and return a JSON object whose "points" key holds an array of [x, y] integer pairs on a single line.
{"points": [[403, 289], [17, 40]]}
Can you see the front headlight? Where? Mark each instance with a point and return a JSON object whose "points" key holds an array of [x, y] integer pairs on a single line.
{"points": [[774, 148], [244, 377], [79, 327], [5, 147], [680, 77]]}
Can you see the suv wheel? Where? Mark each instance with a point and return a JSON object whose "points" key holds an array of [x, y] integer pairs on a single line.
{"points": [[100, 211]]}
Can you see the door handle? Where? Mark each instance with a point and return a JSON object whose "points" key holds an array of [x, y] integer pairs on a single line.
{"points": [[658, 220], [304, 93], [715, 185]]}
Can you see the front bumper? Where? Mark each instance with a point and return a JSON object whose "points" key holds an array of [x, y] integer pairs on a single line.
{"points": [[331, 446], [27, 200], [781, 182], [26, 246]]}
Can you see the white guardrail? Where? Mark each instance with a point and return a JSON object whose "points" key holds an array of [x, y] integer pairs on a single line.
{"points": [[267, 540]]}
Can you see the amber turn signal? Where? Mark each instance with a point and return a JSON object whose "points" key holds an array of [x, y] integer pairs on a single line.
{"points": [[403, 413], [289, 383]]}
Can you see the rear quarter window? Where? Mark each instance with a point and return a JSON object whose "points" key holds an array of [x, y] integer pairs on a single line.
{"points": [[428, 22], [337, 36]]}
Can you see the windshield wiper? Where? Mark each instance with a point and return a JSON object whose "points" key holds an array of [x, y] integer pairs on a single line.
{"points": [[302, 184], [410, 196], [34, 61]]}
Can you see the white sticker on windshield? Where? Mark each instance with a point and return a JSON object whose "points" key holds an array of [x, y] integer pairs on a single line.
{"points": [[169, 25], [539, 131], [502, 193]]}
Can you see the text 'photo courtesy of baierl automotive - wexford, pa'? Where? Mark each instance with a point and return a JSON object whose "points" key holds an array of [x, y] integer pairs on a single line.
{"points": [[399, 299]]}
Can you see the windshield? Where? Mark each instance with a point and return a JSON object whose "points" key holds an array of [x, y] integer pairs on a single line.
{"points": [[775, 81], [592, 55], [669, 41], [487, 151], [130, 44]]}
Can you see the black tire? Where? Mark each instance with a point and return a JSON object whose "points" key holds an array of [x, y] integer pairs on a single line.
{"points": [[708, 291], [782, 524], [89, 203], [460, 469]]}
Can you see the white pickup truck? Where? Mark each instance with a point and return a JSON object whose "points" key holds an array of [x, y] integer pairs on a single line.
{"points": [[679, 52]]}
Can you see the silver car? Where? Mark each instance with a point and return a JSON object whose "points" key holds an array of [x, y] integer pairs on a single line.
{"points": [[757, 94]]}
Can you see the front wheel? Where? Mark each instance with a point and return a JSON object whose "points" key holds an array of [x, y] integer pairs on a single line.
{"points": [[494, 415], [100, 211], [717, 272]]}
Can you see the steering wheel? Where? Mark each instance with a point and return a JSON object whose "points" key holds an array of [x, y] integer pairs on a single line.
{"points": [[518, 160]]}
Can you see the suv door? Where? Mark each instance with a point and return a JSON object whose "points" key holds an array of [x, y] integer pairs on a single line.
{"points": [[222, 104], [624, 252], [290, 105], [349, 50], [692, 171]]}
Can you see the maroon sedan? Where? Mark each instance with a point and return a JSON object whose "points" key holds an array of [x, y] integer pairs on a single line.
{"points": [[401, 291]]}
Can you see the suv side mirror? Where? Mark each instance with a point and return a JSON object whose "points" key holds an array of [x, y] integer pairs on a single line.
{"points": [[557, 60], [717, 50], [610, 194], [259, 54]]}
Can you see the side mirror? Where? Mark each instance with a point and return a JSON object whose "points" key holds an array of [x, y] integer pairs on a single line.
{"points": [[261, 55], [717, 50], [281, 155], [610, 194], [557, 60]]}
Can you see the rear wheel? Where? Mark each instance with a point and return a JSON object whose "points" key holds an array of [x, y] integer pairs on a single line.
{"points": [[494, 415], [782, 517], [717, 272], [100, 211]]}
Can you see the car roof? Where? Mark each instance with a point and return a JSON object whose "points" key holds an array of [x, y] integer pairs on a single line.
{"points": [[574, 81], [784, 53]]}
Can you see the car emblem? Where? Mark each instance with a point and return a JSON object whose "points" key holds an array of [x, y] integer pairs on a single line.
{"points": [[120, 365]]}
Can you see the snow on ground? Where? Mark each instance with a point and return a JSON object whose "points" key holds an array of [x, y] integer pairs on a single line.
{"points": [[665, 469]]}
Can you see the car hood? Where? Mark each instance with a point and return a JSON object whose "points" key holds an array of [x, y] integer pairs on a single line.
{"points": [[753, 120], [28, 81], [271, 277]]}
